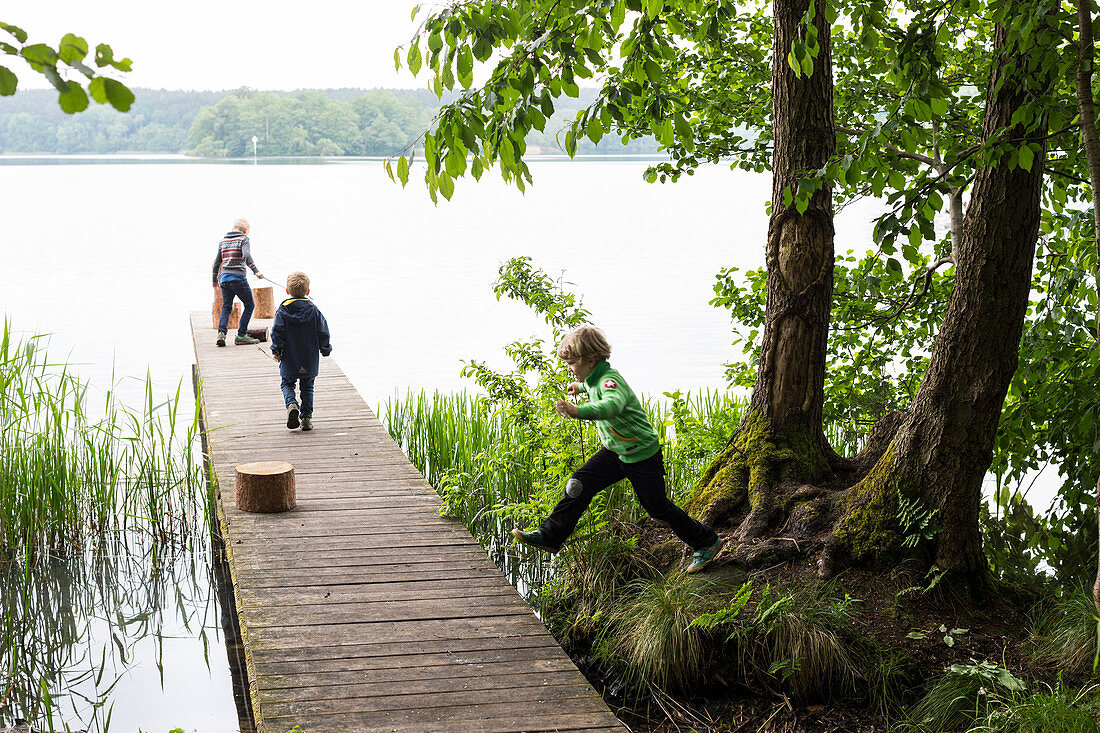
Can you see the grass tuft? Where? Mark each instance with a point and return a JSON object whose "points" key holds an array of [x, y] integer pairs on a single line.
{"points": [[652, 635], [1065, 636]]}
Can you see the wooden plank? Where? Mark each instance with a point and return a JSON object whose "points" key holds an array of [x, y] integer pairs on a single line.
{"points": [[363, 609]]}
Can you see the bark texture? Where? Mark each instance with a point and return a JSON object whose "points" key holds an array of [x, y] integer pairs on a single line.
{"points": [[781, 442], [790, 381], [1091, 142], [941, 452]]}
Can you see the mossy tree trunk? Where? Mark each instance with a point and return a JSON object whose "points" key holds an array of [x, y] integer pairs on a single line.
{"points": [[783, 428], [936, 455], [943, 448]]}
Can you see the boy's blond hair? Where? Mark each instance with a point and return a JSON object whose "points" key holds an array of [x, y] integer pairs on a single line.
{"points": [[584, 342], [241, 225], [297, 284]]}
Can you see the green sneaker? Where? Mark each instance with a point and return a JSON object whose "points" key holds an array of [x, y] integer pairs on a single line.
{"points": [[245, 340], [221, 338], [701, 558], [307, 423], [535, 539]]}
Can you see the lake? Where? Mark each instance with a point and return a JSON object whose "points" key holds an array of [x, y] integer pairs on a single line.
{"points": [[110, 259]]}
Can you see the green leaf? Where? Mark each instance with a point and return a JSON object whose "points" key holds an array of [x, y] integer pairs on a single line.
{"points": [[72, 48], [397, 59], [653, 8], [446, 186], [915, 237], [465, 67], [73, 99], [1026, 157], [8, 82], [477, 168], [39, 56], [939, 106], [414, 59], [105, 90], [104, 56], [403, 170], [18, 33]]}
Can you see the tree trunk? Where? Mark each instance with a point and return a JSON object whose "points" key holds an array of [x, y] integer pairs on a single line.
{"points": [[934, 457], [941, 452], [781, 435], [1091, 141], [790, 382]]}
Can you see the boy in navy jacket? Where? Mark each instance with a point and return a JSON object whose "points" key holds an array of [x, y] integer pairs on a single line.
{"points": [[299, 334]]}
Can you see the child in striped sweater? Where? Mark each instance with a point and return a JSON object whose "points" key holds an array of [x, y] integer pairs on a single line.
{"points": [[631, 449]]}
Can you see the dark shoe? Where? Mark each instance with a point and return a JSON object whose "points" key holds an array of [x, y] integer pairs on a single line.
{"points": [[245, 340], [221, 338], [535, 539], [307, 423], [701, 558], [292, 416]]}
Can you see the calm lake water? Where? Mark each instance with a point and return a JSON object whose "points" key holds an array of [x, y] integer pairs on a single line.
{"points": [[110, 260]]}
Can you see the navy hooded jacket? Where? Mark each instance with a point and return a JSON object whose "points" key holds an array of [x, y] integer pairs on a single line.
{"points": [[300, 333]]}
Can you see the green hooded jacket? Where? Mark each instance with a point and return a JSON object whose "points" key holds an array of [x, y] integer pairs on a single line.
{"points": [[620, 420]]}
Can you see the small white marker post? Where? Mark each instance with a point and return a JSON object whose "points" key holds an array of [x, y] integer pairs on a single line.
{"points": [[254, 139]]}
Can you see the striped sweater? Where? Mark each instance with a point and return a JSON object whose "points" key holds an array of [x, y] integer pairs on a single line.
{"points": [[233, 255], [620, 420]]}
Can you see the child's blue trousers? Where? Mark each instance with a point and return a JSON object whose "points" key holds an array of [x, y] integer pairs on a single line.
{"points": [[305, 405]]}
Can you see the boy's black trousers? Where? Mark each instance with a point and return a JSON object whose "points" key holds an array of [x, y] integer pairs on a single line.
{"points": [[648, 479]]}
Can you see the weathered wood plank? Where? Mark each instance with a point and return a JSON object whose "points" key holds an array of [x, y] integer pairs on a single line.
{"points": [[363, 609]]}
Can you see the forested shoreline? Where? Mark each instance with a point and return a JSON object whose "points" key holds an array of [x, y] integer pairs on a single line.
{"points": [[221, 124]]}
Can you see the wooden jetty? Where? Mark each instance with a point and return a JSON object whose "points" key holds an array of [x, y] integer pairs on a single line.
{"points": [[362, 609]]}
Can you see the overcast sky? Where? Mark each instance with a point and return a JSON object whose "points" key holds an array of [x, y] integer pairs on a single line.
{"points": [[226, 44]]}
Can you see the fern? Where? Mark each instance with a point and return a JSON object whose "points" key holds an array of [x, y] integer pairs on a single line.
{"points": [[917, 521]]}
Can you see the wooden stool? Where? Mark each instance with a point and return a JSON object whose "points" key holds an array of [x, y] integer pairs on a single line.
{"points": [[265, 486], [265, 305]]}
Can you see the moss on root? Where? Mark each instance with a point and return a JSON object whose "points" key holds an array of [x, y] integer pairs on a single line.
{"points": [[868, 526], [744, 470]]}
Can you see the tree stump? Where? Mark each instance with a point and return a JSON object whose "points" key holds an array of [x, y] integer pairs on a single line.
{"points": [[216, 311], [263, 298], [260, 334], [265, 486]]}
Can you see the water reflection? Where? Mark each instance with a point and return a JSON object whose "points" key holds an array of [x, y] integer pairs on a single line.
{"points": [[125, 635]]}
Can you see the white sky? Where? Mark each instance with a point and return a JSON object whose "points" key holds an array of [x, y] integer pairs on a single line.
{"points": [[227, 44]]}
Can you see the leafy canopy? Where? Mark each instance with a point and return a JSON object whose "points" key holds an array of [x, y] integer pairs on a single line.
{"points": [[66, 59]]}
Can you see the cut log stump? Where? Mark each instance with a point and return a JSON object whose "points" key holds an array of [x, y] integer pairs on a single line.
{"points": [[265, 305], [260, 334], [265, 486]]}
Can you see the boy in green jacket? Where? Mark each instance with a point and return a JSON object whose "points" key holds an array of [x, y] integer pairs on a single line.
{"points": [[631, 449]]}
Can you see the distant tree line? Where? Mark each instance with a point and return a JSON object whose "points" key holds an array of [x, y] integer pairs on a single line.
{"points": [[333, 122]]}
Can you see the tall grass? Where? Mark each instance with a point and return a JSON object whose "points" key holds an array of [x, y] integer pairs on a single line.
{"points": [[86, 486], [72, 470]]}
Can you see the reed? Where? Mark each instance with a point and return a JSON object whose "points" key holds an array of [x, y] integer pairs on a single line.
{"points": [[71, 471], [86, 486], [481, 464]]}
